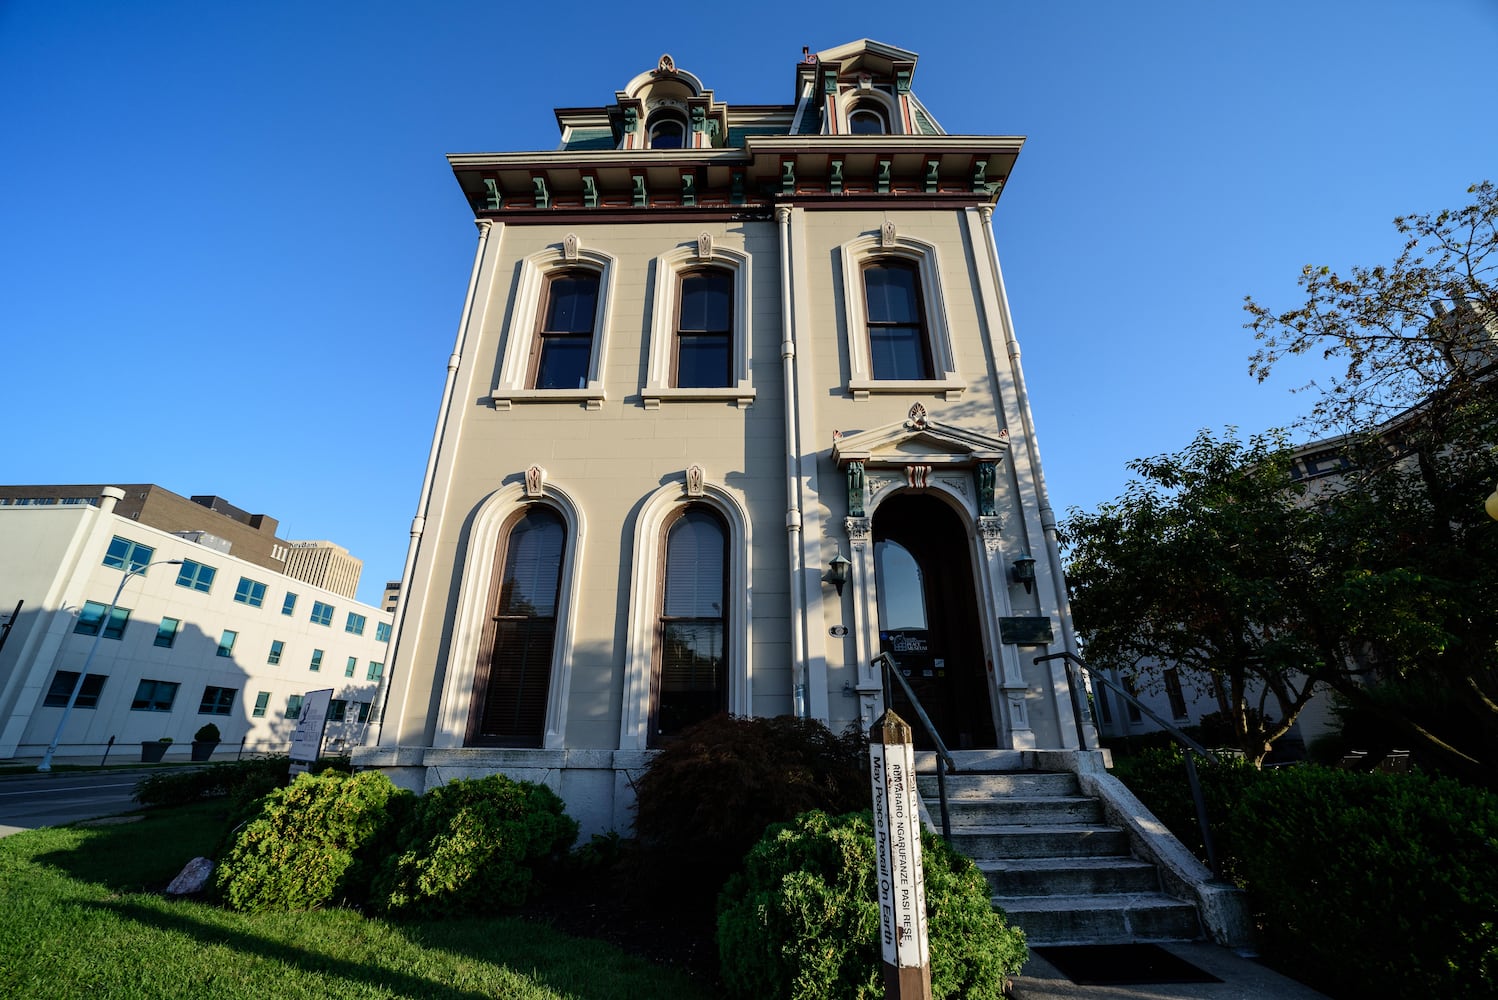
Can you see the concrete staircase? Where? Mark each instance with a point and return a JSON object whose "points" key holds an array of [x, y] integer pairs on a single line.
{"points": [[1057, 868]]}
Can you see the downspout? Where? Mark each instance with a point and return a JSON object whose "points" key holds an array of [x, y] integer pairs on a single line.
{"points": [[1027, 422], [792, 467], [418, 523]]}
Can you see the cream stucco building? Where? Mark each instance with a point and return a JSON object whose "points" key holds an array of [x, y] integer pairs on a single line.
{"points": [[709, 351]]}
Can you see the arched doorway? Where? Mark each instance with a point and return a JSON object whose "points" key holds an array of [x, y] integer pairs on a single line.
{"points": [[928, 618]]}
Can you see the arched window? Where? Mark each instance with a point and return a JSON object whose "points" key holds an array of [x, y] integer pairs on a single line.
{"points": [[865, 119], [704, 330], [691, 682], [667, 131], [514, 666], [898, 347], [563, 346]]}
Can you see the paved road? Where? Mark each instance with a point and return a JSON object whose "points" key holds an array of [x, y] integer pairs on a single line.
{"points": [[28, 801]]}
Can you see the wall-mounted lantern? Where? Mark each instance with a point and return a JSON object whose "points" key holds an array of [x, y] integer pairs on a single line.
{"points": [[1024, 572], [837, 573]]}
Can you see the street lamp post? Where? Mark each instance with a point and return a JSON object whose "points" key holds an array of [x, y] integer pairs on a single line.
{"points": [[46, 764]]}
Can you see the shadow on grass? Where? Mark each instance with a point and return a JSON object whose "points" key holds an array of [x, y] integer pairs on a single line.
{"points": [[181, 922], [143, 856]]}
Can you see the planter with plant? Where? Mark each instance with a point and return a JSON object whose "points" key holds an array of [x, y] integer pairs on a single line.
{"points": [[204, 741], [151, 751]]}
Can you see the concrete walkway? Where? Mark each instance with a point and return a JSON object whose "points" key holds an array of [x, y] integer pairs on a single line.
{"points": [[1242, 979]]}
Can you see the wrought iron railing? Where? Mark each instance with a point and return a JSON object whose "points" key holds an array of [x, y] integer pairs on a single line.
{"points": [[1079, 715], [944, 761]]}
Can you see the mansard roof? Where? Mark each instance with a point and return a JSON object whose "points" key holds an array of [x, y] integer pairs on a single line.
{"points": [[740, 159]]}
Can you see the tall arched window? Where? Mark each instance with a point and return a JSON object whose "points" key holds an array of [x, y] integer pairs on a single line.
{"points": [[691, 680], [514, 668], [898, 347]]}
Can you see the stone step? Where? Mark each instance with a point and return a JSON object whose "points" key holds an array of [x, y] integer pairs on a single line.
{"points": [[1069, 876], [981, 786], [1056, 841], [1107, 919], [1014, 810]]}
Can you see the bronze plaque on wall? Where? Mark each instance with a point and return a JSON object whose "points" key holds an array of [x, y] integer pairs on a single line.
{"points": [[1026, 631]]}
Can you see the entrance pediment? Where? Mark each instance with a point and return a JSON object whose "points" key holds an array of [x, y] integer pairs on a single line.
{"points": [[919, 440]]}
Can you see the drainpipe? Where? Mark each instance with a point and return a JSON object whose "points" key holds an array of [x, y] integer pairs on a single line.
{"points": [[418, 523], [800, 702], [1027, 422]]}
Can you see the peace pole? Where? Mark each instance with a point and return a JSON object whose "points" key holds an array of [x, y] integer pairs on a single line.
{"points": [[897, 848]]}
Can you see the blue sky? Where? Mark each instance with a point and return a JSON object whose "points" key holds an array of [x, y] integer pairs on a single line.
{"points": [[232, 256]]}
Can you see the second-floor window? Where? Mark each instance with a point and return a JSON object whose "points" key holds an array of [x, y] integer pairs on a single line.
{"points": [[563, 348]]}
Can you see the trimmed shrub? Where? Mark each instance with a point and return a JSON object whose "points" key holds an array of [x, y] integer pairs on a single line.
{"points": [[1374, 884], [801, 921], [312, 843], [1158, 778], [706, 798], [473, 846]]}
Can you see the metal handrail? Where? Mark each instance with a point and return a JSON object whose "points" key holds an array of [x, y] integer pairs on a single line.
{"points": [[1191, 745], [944, 759]]}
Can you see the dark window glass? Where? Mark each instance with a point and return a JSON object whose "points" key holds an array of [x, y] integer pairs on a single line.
{"points": [[668, 133], [897, 334], [154, 696], [566, 337], [217, 701], [704, 331], [866, 121], [62, 687], [692, 684], [516, 667]]}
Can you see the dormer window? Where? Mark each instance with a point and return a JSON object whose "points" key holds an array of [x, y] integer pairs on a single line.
{"points": [[667, 131], [867, 120]]}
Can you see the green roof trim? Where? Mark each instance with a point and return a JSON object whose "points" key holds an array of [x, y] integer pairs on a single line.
{"points": [[924, 123], [585, 139], [736, 136]]}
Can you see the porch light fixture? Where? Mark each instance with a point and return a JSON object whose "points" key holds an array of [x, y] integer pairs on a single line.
{"points": [[837, 572], [1491, 504], [1024, 572]]}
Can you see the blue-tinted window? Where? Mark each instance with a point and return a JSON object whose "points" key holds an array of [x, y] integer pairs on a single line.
{"points": [[261, 701], [93, 616], [226, 642], [322, 614], [316, 663], [250, 592], [127, 555], [350, 666], [195, 576], [375, 670], [294, 706], [355, 624], [166, 632], [382, 632], [276, 646], [288, 606]]}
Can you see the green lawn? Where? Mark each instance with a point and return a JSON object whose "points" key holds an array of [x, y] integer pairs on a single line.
{"points": [[83, 918]]}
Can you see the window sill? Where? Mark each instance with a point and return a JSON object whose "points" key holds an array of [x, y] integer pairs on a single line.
{"points": [[592, 398], [742, 396], [950, 389]]}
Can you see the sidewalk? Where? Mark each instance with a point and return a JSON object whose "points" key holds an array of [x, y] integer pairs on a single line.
{"points": [[1242, 979]]}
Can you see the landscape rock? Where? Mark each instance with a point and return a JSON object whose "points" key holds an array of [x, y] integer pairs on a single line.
{"points": [[193, 879]]}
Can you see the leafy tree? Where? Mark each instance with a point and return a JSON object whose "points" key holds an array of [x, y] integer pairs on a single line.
{"points": [[1415, 413], [1203, 564]]}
